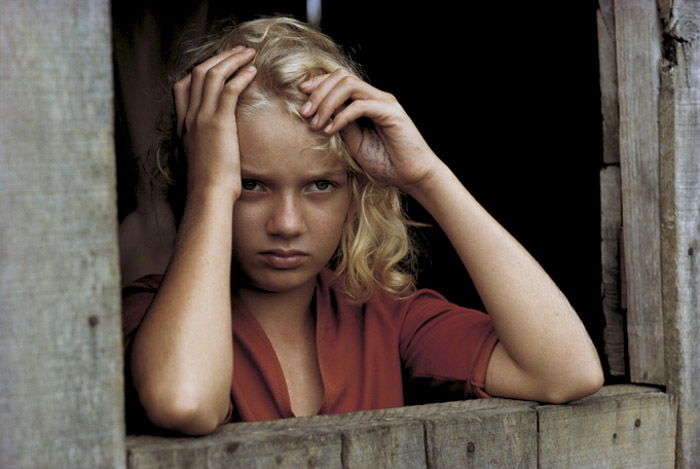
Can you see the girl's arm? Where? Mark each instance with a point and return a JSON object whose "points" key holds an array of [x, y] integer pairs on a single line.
{"points": [[544, 352], [182, 355]]}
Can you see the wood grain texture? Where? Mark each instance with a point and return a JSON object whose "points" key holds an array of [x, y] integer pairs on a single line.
{"points": [[61, 391], [638, 51], [610, 233], [613, 431], [680, 209], [609, 103], [620, 426], [487, 438], [386, 438]]}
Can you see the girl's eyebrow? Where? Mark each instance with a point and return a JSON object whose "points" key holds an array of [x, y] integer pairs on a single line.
{"points": [[311, 174]]}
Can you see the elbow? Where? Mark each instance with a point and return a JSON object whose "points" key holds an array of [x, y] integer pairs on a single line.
{"points": [[581, 385], [181, 412]]}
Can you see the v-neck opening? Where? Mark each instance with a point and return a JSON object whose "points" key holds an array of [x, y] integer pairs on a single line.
{"points": [[279, 375]]}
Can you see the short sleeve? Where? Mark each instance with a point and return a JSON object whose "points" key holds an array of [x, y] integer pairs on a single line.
{"points": [[136, 299], [447, 342]]}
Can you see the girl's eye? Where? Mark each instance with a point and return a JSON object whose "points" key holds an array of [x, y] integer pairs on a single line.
{"points": [[322, 185], [249, 184]]}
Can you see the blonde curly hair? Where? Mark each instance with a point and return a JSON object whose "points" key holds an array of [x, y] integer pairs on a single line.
{"points": [[376, 249]]}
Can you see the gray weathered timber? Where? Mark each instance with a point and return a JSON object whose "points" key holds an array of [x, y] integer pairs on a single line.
{"points": [[679, 118], [241, 446], [487, 438], [620, 426], [638, 45], [609, 103], [610, 232], [61, 399], [610, 192], [609, 431], [398, 443], [385, 438]]}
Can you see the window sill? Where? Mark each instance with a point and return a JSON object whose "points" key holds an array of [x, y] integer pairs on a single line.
{"points": [[622, 425]]}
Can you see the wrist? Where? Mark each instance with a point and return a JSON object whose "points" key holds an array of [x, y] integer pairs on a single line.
{"points": [[219, 188], [225, 194], [427, 187]]}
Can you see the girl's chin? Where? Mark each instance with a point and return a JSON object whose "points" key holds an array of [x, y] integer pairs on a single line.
{"points": [[283, 281]]}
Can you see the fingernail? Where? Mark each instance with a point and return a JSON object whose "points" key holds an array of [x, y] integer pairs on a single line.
{"points": [[314, 121], [328, 127], [305, 84], [306, 107], [251, 68], [237, 48]]}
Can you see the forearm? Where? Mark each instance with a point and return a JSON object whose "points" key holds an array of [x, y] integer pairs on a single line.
{"points": [[182, 356], [535, 324]]}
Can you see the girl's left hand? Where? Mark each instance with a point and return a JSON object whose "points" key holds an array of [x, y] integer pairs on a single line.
{"points": [[391, 150]]}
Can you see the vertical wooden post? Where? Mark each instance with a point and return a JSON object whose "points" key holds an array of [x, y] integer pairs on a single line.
{"points": [[679, 120], [610, 192], [61, 399], [638, 49]]}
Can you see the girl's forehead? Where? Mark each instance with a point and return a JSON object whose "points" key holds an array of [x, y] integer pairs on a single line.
{"points": [[273, 140]]}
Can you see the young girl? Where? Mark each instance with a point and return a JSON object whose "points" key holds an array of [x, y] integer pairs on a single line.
{"points": [[289, 289]]}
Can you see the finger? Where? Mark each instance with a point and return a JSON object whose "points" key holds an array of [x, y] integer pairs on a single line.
{"points": [[181, 93], [198, 76], [376, 110], [232, 90], [347, 88], [318, 87], [218, 74], [309, 85]]}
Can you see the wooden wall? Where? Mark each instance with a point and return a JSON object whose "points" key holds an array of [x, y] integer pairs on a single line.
{"points": [[679, 173], [61, 399], [650, 199]]}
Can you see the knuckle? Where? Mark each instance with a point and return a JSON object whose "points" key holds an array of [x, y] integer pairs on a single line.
{"points": [[199, 71], [233, 87], [213, 74], [347, 80], [389, 97]]}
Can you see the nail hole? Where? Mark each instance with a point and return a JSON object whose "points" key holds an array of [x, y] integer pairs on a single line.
{"points": [[638, 423], [93, 320], [470, 447], [691, 251], [614, 436]]}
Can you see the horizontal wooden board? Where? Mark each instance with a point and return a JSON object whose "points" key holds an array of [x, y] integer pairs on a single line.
{"points": [[480, 433], [614, 431]]}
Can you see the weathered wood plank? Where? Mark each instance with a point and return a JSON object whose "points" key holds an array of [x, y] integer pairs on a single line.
{"points": [[382, 438], [399, 443], [679, 117], [620, 426], [61, 401], [488, 438], [241, 446], [638, 48], [623, 431], [610, 233], [607, 59]]}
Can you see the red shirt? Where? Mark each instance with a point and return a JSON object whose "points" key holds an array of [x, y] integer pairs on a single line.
{"points": [[363, 350]]}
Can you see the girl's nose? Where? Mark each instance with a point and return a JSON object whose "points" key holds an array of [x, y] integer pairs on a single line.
{"points": [[286, 219]]}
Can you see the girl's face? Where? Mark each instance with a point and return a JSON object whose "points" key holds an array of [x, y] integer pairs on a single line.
{"points": [[289, 218]]}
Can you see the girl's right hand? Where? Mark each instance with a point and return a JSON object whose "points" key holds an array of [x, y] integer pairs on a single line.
{"points": [[205, 102]]}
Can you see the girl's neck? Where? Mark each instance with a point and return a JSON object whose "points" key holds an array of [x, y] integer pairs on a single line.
{"points": [[279, 311]]}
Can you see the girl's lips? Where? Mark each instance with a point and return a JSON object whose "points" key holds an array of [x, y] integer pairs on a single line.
{"points": [[281, 259]]}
